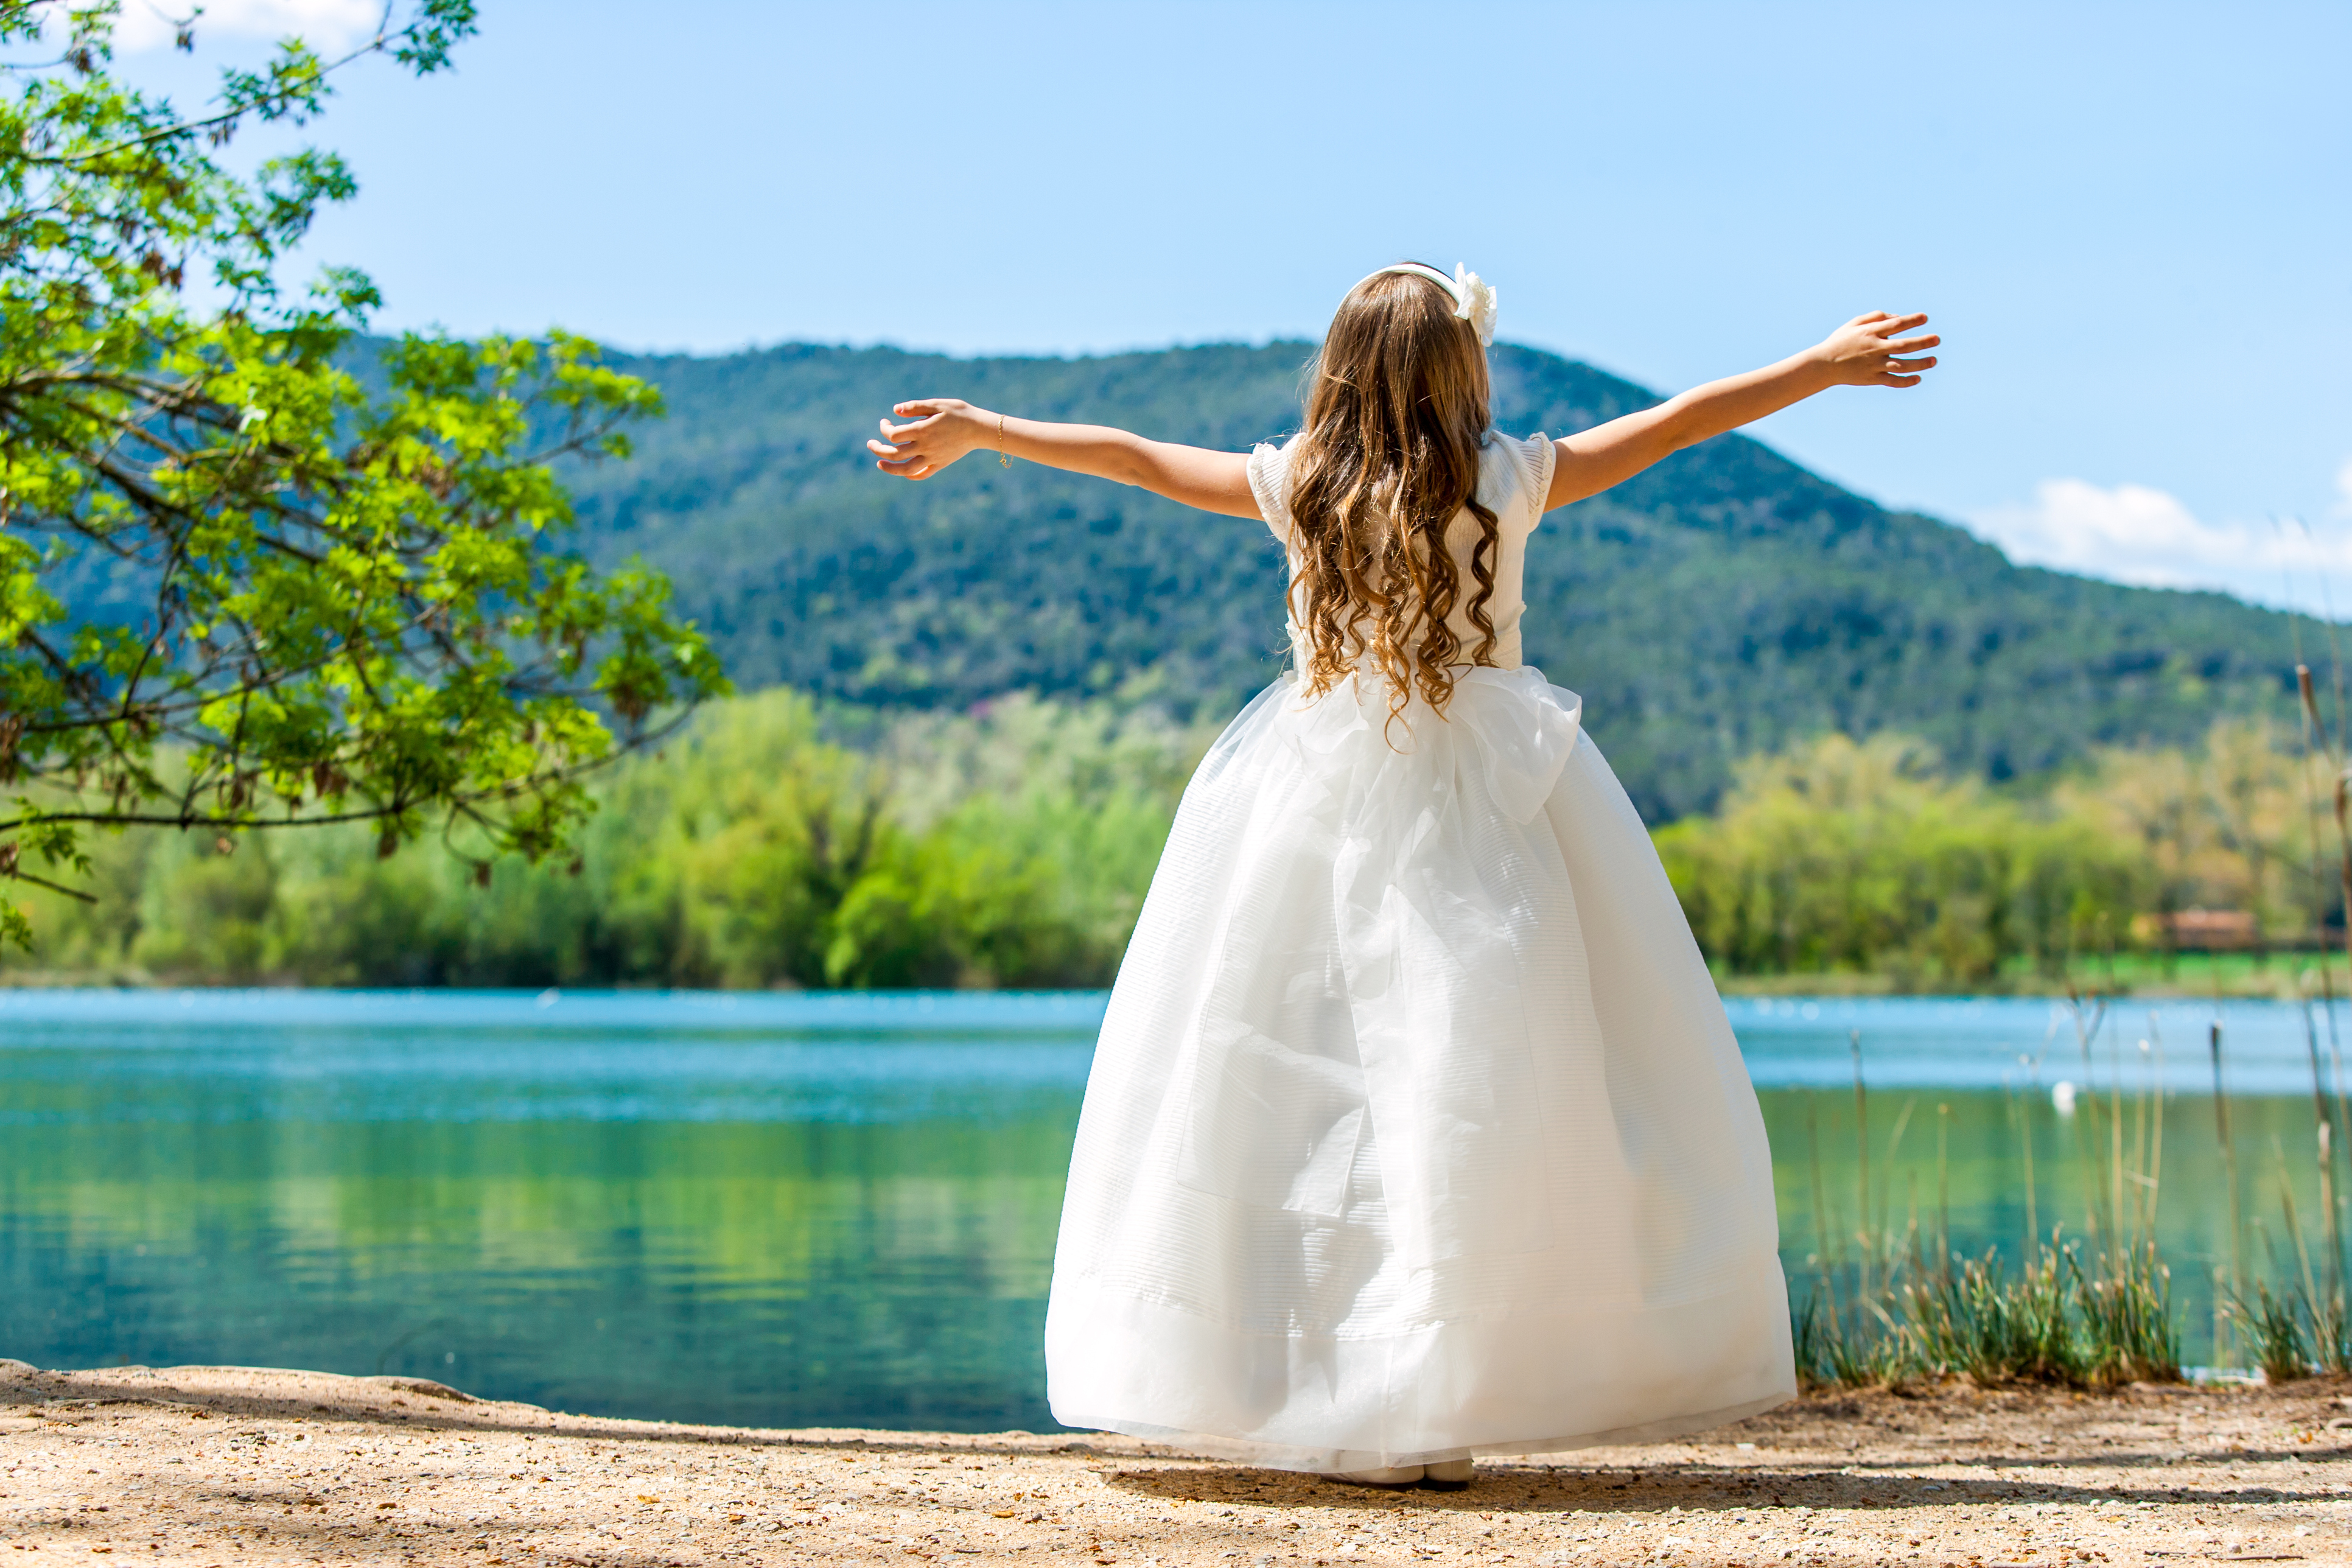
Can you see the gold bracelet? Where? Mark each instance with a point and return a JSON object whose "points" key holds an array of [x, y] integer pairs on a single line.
{"points": [[1002, 461]]}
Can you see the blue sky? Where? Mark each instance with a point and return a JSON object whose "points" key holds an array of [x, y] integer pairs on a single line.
{"points": [[2134, 222]]}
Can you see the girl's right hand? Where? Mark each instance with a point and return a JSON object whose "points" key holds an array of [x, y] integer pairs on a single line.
{"points": [[941, 430]]}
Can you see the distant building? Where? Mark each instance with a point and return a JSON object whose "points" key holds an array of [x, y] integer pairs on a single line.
{"points": [[2210, 931]]}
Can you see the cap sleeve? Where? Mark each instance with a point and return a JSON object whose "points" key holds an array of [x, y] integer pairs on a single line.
{"points": [[1269, 482], [1515, 478], [1537, 455]]}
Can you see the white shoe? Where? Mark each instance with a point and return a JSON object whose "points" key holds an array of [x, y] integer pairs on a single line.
{"points": [[1448, 1474], [1392, 1476]]}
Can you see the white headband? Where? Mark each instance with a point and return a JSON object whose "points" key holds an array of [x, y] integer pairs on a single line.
{"points": [[1473, 297]]}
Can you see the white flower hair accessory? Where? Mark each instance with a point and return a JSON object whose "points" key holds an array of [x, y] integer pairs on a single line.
{"points": [[1473, 297], [1474, 301]]}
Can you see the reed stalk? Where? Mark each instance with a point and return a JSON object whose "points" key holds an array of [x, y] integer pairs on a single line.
{"points": [[2331, 1317], [2318, 747], [2228, 1167], [1861, 1145], [2295, 1233], [1826, 1270], [2023, 1111], [1886, 1185], [2221, 1317], [2330, 1220], [1943, 1191], [2119, 1241], [2095, 1193], [2152, 1151]]}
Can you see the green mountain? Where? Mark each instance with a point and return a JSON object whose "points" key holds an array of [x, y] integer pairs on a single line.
{"points": [[1722, 603]]}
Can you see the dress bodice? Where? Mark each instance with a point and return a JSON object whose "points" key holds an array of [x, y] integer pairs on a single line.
{"points": [[1513, 477]]}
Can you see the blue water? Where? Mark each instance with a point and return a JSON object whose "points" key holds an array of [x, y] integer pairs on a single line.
{"points": [[454, 1056], [811, 1208], [1994, 1043]]}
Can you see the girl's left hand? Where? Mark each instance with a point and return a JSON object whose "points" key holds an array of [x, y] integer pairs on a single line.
{"points": [[943, 429]]}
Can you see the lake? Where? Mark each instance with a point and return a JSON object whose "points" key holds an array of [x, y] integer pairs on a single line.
{"points": [[839, 1209]]}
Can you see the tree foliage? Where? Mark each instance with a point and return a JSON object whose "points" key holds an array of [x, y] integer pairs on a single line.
{"points": [[780, 841], [771, 842], [1872, 857], [239, 587]]}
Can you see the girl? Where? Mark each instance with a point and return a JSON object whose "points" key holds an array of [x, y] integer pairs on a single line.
{"points": [[1415, 1128]]}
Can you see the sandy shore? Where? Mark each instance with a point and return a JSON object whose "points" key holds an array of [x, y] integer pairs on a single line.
{"points": [[234, 1465]]}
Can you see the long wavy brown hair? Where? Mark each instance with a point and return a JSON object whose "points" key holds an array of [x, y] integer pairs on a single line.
{"points": [[1396, 417]]}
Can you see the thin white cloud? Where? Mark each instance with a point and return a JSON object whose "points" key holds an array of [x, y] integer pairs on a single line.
{"points": [[321, 23], [2136, 534]]}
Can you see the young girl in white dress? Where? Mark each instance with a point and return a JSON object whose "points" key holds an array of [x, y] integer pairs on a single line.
{"points": [[1415, 1129]]}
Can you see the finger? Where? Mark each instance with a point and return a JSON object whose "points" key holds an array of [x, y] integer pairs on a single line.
{"points": [[1866, 317], [881, 449], [1913, 345], [1890, 380], [919, 408], [1912, 364]]}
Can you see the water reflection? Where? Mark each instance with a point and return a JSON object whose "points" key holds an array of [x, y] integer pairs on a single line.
{"points": [[831, 1209]]}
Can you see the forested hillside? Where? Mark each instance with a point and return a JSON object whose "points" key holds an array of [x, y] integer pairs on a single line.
{"points": [[1719, 606]]}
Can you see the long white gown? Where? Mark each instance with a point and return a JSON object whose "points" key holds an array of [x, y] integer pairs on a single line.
{"points": [[1415, 1128]]}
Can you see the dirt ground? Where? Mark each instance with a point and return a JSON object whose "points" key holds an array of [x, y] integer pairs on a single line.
{"points": [[236, 1466]]}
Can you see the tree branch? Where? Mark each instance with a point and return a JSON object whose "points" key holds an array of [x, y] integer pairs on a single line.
{"points": [[269, 106], [16, 875]]}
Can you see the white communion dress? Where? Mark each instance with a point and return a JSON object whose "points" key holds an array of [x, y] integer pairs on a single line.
{"points": [[1415, 1128]]}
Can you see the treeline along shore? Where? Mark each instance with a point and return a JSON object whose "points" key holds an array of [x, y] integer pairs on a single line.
{"points": [[781, 840], [1877, 755]]}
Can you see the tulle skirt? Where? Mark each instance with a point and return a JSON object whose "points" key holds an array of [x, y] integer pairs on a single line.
{"points": [[1415, 1128]]}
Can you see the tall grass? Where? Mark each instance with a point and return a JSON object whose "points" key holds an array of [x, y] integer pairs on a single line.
{"points": [[1893, 1302], [1886, 1303], [1890, 1301]]}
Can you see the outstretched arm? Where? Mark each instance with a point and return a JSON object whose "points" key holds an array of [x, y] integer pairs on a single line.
{"points": [[1863, 353], [943, 429]]}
